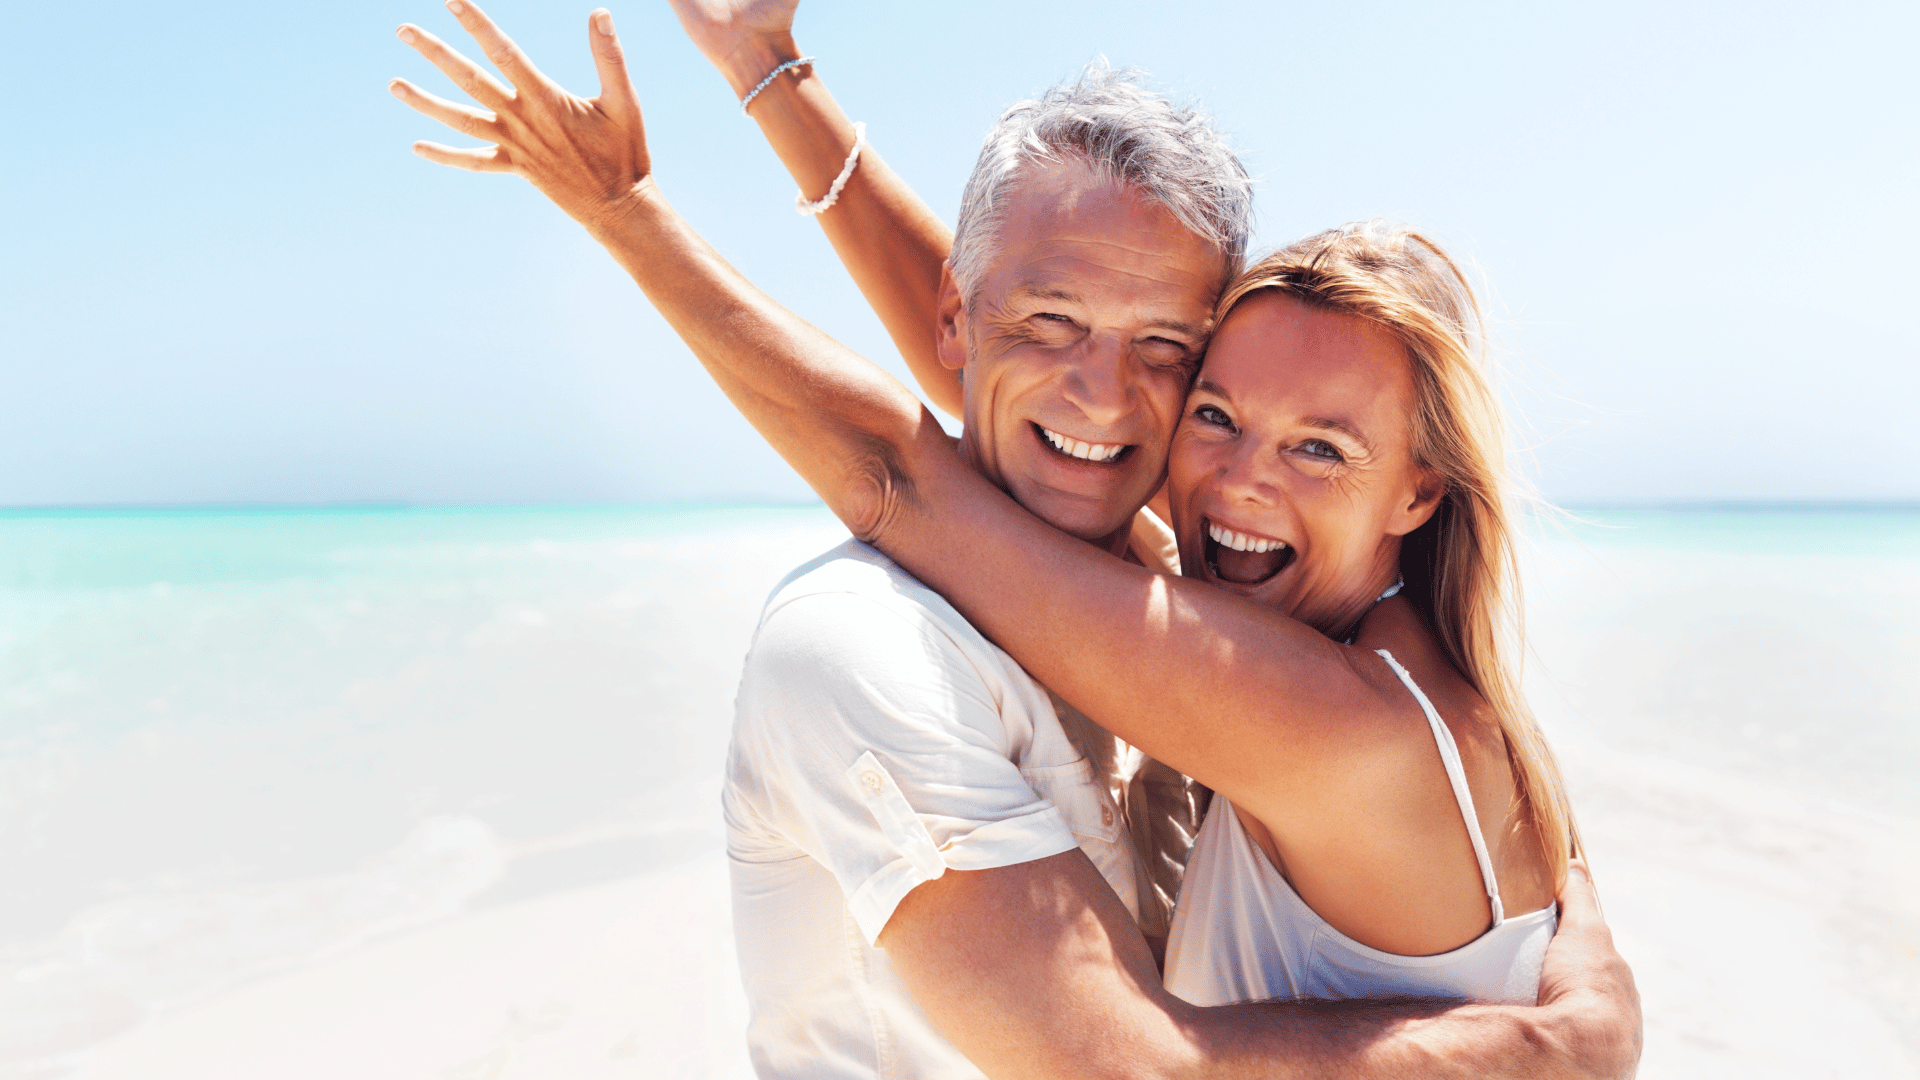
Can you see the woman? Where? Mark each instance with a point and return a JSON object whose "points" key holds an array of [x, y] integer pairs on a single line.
{"points": [[1342, 401], [1340, 436]]}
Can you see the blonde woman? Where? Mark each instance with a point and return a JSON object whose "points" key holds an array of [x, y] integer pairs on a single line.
{"points": [[1342, 443]]}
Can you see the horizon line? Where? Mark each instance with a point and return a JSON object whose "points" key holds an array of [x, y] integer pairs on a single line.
{"points": [[395, 506]]}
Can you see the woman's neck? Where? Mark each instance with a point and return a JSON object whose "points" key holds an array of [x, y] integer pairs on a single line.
{"points": [[1338, 618]]}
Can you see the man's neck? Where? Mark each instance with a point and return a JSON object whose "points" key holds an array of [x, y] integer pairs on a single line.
{"points": [[1117, 543]]}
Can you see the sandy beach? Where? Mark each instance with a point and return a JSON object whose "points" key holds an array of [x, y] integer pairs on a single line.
{"points": [[1742, 793]]}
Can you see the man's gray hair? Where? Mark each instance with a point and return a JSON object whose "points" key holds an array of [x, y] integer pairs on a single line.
{"points": [[1124, 132]]}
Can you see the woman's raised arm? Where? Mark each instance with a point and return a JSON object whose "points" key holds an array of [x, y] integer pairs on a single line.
{"points": [[886, 236]]}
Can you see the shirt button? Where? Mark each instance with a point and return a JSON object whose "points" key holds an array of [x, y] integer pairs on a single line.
{"points": [[1106, 815], [871, 779]]}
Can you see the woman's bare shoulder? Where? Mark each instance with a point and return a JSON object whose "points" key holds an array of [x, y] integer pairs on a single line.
{"points": [[1397, 626]]}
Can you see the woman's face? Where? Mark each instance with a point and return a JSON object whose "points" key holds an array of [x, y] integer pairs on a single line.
{"points": [[1291, 475]]}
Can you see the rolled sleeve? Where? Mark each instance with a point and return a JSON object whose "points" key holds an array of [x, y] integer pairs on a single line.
{"points": [[988, 844], [878, 745]]}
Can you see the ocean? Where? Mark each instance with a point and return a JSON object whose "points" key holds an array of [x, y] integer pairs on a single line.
{"points": [[261, 768]]}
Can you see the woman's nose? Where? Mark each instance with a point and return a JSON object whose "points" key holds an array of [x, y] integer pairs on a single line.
{"points": [[1245, 476]]}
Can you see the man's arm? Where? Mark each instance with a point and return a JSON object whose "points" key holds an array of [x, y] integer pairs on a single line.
{"points": [[889, 240], [1035, 971]]}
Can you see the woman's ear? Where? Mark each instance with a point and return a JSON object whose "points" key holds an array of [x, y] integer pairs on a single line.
{"points": [[950, 336], [1419, 505]]}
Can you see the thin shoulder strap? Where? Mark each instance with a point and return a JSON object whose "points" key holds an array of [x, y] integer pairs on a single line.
{"points": [[1457, 774]]}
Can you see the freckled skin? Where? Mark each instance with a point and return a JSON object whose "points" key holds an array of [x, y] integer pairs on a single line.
{"points": [[1090, 322], [1255, 452]]}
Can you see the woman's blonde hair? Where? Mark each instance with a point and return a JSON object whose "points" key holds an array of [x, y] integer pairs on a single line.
{"points": [[1462, 566]]}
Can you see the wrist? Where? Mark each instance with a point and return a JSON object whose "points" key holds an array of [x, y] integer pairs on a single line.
{"points": [[1591, 1036], [619, 214], [746, 65]]}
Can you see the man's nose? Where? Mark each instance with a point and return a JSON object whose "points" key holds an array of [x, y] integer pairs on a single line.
{"points": [[1101, 382]]}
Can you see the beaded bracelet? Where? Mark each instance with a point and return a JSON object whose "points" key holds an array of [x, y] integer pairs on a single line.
{"points": [[800, 203], [768, 81]]}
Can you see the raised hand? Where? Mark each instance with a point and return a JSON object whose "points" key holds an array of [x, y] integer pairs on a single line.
{"points": [[745, 39], [589, 155]]}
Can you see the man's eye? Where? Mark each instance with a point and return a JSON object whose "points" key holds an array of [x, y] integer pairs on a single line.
{"points": [[1209, 414], [1164, 351], [1322, 449]]}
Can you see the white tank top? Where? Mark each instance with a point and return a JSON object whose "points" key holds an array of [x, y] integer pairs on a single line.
{"points": [[1240, 932]]}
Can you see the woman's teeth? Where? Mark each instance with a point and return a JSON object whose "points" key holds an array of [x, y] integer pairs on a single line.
{"points": [[1227, 538], [1085, 450]]}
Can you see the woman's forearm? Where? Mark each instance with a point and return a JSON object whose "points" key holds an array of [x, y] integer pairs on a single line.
{"points": [[888, 238], [852, 431]]}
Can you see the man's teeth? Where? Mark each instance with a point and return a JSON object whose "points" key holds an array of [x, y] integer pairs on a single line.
{"points": [[1226, 537], [1089, 451]]}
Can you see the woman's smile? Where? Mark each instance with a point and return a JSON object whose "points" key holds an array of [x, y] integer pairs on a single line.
{"points": [[1243, 557]]}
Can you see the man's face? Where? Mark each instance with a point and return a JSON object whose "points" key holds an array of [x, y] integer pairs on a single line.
{"points": [[1078, 347]]}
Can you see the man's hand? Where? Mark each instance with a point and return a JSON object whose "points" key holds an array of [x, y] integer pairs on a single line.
{"points": [[1586, 980], [589, 155], [745, 39]]}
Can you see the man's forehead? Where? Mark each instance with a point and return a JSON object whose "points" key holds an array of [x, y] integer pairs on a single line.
{"points": [[1185, 310]]}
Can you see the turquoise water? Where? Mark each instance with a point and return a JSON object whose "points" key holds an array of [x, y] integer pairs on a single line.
{"points": [[113, 548], [1892, 532], [234, 741]]}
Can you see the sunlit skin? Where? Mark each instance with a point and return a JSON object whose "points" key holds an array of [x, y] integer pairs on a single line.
{"points": [[1089, 323], [1298, 429]]}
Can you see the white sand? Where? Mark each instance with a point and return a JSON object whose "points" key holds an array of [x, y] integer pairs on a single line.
{"points": [[1771, 934], [635, 979]]}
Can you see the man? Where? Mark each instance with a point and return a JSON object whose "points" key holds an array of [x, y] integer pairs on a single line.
{"points": [[929, 880]]}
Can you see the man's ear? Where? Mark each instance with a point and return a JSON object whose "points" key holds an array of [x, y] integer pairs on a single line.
{"points": [[1419, 506], [950, 335]]}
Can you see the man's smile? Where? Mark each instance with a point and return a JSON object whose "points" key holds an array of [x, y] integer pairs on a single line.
{"points": [[1091, 453]]}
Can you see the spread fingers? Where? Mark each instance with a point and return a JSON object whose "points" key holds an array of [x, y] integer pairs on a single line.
{"points": [[500, 49], [483, 159], [464, 119], [465, 74]]}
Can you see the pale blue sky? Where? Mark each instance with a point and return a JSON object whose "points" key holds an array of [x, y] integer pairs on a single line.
{"points": [[226, 279]]}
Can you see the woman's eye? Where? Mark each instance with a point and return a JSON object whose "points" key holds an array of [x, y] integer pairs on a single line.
{"points": [[1322, 449], [1209, 414]]}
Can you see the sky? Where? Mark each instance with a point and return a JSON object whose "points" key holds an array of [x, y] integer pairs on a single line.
{"points": [[226, 279]]}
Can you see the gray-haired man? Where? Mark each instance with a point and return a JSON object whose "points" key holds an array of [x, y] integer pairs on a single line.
{"points": [[932, 877], [881, 744]]}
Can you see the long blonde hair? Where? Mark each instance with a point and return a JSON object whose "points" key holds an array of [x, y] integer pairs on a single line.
{"points": [[1461, 567]]}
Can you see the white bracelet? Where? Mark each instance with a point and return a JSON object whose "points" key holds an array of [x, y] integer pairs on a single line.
{"points": [[768, 81], [800, 202]]}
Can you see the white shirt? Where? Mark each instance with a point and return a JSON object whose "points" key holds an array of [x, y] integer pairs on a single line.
{"points": [[879, 740]]}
